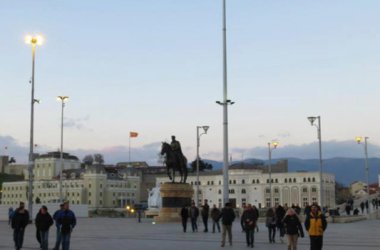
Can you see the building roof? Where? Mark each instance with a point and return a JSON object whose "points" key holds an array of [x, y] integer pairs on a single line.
{"points": [[57, 155]]}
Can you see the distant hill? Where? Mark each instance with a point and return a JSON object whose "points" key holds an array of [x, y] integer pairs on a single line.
{"points": [[346, 170]]}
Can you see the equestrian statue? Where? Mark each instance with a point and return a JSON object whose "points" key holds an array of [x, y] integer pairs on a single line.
{"points": [[174, 160]]}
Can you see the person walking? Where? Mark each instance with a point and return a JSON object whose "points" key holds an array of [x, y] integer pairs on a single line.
{"points": [[215, 214], [205, 213], [66, 221], [20, 220], [293, 228], [228, 216], [10, 214], [58, 230], [38, 235], [362, 206], [244, 207], [249, 218], [315, 224], [270, 222], [43, 223], [184, 217], [194, 213], [280, 214]]}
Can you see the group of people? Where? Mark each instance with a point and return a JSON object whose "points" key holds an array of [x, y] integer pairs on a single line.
{"points": [[63, 218], [286, 220], [226, 215], [288, 223]]}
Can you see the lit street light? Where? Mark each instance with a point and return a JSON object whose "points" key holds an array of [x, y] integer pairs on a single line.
{"points": [[359, 140], [312, 120], [34, 41], [271, 146], [205, 128], [63, 99]]}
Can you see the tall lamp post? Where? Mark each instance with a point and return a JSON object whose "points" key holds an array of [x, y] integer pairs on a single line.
{"points": [[359, 140], [225, 104], [271, 146], [205, 128], [318, 126], [33, 41], [63, 100]]}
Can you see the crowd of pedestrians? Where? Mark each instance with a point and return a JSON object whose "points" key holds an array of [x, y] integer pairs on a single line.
{"points": [[286, 220], [63, 218]]}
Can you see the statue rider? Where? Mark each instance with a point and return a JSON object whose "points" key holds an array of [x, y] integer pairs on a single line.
{"points": [[176, 148]]}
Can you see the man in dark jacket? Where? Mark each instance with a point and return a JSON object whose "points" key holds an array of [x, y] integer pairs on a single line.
{"points": [[249, 218], [194, 213], [43, 223], [58, 235], [184, 217], [205, 212], [215, 214], [20, 220], [66, 222], [228, 216], [280, 214]]}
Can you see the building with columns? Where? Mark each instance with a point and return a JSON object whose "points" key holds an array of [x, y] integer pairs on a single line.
{"points": [[250, 184]]}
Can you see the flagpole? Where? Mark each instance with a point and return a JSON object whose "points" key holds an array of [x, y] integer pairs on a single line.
{"points": [[129, 148]]}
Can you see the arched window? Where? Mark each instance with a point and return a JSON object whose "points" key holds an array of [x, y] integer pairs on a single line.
{"points": [[308, 179], [253, 181], [276, 180], [294, 180], [290, 180], [257, 181], [304, 179], [286, 180], [234, 181], [313, 179]]}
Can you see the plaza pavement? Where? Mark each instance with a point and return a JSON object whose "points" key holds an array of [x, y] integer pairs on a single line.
{"points": [[127, 233]]}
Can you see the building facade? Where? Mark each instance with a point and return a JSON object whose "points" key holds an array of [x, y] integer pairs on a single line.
{"points": [[98, 186], [251, 185]]}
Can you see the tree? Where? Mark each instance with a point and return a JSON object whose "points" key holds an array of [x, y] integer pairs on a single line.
{"points": [[202, 165], [342, 193], [98, 158], [88, 160]]}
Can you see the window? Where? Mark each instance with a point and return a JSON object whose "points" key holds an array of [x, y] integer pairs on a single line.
{"points": [[276, 180], [290, 180], [219, 191], [286, 180], [313, 179], [230, 182], [267, 180], [208, 182], [304, 190], [220, 182], [234, 181], [304, 179], [243, 202], [243, 191], [294, 180], [276, 190], [253, 181], [308, 179], [243, 181], [314, 189], [267, 190], [257, 181]]}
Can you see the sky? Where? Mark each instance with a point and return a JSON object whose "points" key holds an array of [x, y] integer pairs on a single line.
{"points": [[155, 67]]}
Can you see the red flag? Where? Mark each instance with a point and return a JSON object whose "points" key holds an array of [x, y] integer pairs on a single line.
{"points": [[133, 134]]}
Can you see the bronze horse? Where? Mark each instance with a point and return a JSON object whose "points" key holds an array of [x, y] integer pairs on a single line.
{"points": [[174, 163]]}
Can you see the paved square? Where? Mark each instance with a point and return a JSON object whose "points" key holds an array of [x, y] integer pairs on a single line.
{"points": [[127, 233]]}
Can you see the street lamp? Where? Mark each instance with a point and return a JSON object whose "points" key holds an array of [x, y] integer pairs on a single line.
{"points": [[63, 100], [271, 146], [359, 140], [225, 104], [205, 128], [34, 41], [318, 126]]}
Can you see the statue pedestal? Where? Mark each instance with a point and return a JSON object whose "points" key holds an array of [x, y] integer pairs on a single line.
{"points": [[174, 197]]}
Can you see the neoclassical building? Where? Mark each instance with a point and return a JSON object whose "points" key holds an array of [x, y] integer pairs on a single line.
{"points": [[250, 184], [98, 186]]}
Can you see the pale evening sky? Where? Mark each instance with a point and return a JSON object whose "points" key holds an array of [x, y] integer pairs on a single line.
{"points": [[155, 67]]}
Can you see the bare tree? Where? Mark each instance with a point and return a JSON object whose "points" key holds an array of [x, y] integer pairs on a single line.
{"points": [[88, 160], [98, 158]]}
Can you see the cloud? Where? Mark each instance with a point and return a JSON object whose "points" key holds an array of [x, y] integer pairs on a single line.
{"points": [[77, 123], [150, 152]]}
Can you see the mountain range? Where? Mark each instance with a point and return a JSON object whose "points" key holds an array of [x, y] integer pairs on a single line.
{"points": [[346, 170]]}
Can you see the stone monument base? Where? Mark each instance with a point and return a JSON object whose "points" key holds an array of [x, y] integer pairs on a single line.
{"points": [[174, 197]]}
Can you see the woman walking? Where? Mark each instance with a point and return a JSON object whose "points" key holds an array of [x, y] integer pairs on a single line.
{"points": [[271, 224], [293, 228]]}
